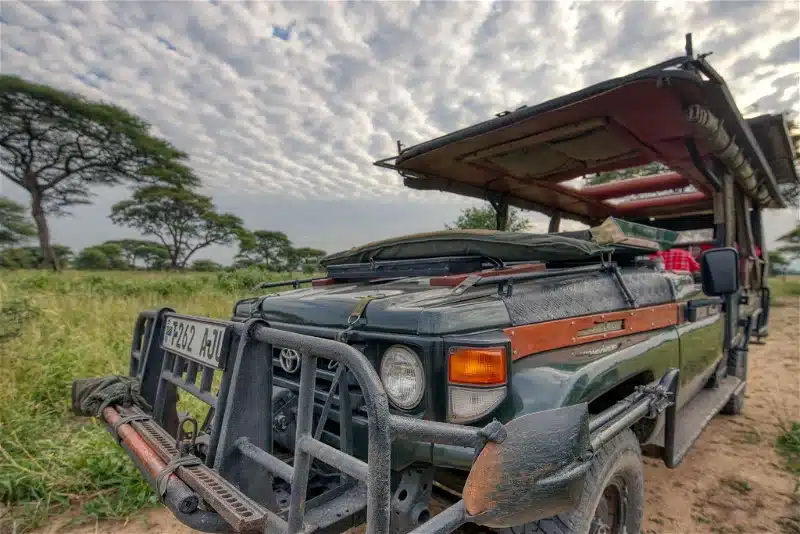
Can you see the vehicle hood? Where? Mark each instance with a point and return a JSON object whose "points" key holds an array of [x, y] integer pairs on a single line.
{"points": [[404, 306]]}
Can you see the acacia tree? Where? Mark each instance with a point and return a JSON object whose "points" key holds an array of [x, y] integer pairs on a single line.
{"points": [[484, 218], [154, 256], [139, 249], [267, 248], [181, 219], [15, 227], [778, 262], [58, 146], [792, 247], [305, 259]]}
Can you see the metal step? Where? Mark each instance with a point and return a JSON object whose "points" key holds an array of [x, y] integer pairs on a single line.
{"points": [[696, 414], [242, 513]]}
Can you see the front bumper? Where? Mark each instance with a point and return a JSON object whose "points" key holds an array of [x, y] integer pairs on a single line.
{"points": [[533, 467]]}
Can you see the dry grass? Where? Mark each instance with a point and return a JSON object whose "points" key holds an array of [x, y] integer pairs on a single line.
{"points": [[56, 327]]}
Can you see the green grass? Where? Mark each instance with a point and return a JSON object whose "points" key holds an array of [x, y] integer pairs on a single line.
{"points": [[788, 446], [785, 286], [56, 327]]}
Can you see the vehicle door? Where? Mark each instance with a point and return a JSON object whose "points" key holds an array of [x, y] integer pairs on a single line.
{"points": [[701, 331]]}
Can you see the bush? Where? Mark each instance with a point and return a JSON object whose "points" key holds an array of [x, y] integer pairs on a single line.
{"points": [[13, 317], [92, 259], [206, 266], [788, 446]]}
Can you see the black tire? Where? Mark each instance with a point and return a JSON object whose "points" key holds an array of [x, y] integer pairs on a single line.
{"points": [[735, 404], [617, 466]]}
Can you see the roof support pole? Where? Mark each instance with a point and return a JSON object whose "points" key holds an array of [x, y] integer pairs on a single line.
{"points": [[719, 219], [729, 211], [758, 234], [500, 205], [729, 240], [752, 265], [502, 216], [555, 223]]}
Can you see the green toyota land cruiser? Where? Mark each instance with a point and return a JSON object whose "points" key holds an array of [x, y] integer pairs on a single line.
{"points": [[513, 379]]}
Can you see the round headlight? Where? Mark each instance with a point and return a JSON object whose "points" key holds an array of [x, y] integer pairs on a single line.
{"points": [[403, 376]]}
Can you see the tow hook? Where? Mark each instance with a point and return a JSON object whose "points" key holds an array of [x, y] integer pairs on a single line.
{"points": [[281, 422], [185, 440]]}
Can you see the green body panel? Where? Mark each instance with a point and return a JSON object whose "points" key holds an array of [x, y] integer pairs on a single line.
{"points": [[701, 347], [583, 373]]}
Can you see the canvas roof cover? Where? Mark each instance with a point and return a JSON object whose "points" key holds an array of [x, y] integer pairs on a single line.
{"points": [[666, 113], [612, 236]]}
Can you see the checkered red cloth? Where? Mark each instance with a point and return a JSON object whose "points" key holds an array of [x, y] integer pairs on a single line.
{"points": [[677, 259]]}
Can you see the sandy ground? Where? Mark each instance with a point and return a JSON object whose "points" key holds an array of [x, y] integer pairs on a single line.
{"points": [[731, 482]]}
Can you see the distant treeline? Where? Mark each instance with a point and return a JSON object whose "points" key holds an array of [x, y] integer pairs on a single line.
{"points": [[270, 251]]}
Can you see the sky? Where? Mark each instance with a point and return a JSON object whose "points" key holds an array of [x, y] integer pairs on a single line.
{"points": [[284, 107]]}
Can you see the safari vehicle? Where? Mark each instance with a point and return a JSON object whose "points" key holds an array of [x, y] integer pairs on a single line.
{"points": [[517, 378]]}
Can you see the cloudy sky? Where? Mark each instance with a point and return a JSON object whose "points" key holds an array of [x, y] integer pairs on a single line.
{"points": [[283, 107]]}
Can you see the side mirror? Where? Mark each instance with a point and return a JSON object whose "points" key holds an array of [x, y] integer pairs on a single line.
{"points": [[720, 271]]}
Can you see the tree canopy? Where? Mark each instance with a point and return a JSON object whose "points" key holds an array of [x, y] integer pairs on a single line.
{"points": [[778, 261], [92, 258], [183, 220], [792, 243], [135, 250], [305, 259], [269, 249], [206, 266], [643, 170], [15, 227], [483, 218], [58, 146]]}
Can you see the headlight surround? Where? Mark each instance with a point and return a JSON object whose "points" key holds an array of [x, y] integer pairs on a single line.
{"points": [[467, 405], [403, 376], [477, 381]]}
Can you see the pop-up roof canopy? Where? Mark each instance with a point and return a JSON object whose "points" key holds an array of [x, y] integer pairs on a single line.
{"points": [[679, 113], [612, 236]]}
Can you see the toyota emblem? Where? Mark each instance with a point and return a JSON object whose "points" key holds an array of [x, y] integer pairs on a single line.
{"points": [[289, 360]]}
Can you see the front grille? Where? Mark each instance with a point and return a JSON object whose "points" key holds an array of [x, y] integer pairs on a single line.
{"points": [[325, 374]]}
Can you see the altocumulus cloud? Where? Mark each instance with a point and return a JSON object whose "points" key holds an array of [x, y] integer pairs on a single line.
{"points": [[284, 107]]}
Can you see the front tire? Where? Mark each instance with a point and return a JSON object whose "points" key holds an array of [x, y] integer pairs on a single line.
{"points": [[612, 501]]}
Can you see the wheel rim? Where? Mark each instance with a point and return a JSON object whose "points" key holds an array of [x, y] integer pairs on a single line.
{"points": [[610, 514]]}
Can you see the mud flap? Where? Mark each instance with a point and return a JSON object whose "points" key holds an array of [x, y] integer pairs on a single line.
{"points": [[538, 470]]}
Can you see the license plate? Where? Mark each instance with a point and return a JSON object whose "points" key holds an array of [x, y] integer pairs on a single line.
{"points": [[198, 340]]}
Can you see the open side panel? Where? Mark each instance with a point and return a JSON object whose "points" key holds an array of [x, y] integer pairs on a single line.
{"points": [[679, 113]]}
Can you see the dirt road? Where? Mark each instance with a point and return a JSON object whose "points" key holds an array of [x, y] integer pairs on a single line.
{"points": [[732, 482]]}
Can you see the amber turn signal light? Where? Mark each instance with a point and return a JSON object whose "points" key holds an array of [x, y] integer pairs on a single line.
{"points": [[477, 366]]}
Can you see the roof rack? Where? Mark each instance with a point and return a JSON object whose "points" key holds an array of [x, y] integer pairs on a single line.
{"points": [[679, 113]]}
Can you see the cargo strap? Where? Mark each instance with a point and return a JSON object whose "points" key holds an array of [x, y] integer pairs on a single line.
{"points": [[163, 476], [465, 284], [356, 315], [128, 419]]}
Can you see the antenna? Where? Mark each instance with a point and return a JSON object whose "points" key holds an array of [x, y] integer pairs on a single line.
{"points": [[689, 50]]}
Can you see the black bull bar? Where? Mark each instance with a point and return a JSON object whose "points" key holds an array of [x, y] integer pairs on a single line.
{"points": [[532, 467]]}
